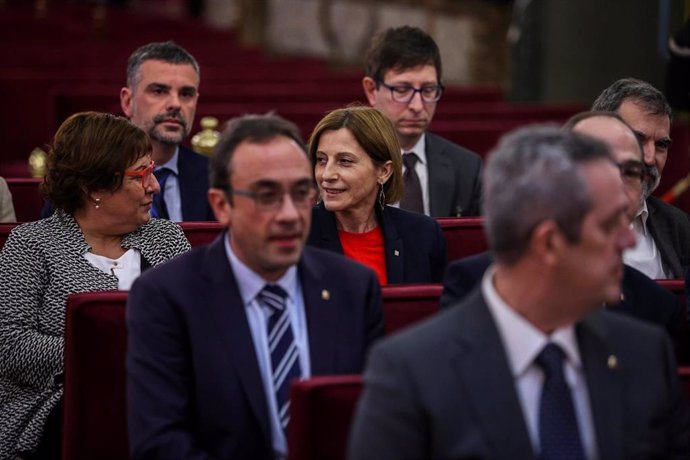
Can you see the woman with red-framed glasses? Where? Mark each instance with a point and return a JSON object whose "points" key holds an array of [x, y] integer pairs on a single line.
{"points": [[101, 237]]}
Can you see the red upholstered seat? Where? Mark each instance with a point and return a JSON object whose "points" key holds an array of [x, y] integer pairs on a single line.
{"points": [[464, 236], [321, 413], [406, 304], [94, 409], [5, 229], [26, 197], [201, 233], [677, 287]]}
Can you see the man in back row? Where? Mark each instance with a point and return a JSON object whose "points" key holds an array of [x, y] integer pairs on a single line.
{"points": [[160, 98], [529, 365], [403, 80], [662, 230]]}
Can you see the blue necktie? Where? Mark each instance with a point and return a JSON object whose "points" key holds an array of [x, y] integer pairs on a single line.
{"points": [[159, 209], [559, 435], [282, 347]]}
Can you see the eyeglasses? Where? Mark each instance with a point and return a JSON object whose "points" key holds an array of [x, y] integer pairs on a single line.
{"points": [[633, 170], [405, 93], [270, 200], [145, 174]]}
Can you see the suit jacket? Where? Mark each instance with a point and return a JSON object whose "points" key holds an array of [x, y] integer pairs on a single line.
{"points": [[193, 181], [454, 178], [670, 229], [414, 243], [463, 404], [641, 298], [194, 389]]}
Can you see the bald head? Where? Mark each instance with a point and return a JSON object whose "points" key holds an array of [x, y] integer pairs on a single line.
{"points": [[625, 149]]}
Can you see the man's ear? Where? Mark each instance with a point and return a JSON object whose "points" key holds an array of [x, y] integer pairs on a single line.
{"points": [[547, 241], [220, 205], [126, 101], [369, 86]]}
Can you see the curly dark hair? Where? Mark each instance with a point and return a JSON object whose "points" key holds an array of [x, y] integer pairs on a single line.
{"points": [[90, 153]]}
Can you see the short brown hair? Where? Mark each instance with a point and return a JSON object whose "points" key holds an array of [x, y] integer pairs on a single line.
{"points": [[89, 153], [374, 132]]}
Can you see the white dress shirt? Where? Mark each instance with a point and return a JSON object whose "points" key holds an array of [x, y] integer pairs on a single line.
{"points": [[645, 256], [522, 343], [250, 284]]}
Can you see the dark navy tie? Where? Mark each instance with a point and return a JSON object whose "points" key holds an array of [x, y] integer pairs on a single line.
{"points": [[559, 435], [412, 192], [282, 347], [159, 208]]}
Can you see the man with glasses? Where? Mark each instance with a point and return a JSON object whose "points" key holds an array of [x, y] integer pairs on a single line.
{"points": [[215, 338], [160, 97], [403, 80], [662, 230]]}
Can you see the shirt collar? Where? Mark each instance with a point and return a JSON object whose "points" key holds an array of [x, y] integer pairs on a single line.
{"points": [[250, 283], [521, 340], [419, 149], [641, 217], [171, 164]]}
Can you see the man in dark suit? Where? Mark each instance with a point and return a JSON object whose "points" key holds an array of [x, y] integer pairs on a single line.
{"points": [[216, 336], [662, 230], [441, 178], [160, 98], [528, 365]]}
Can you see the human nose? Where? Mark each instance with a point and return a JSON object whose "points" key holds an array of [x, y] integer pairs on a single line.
{"points": [[649, 153], [154, 185], [328, 171], [288, 210], [173, 101], [416, 103]]}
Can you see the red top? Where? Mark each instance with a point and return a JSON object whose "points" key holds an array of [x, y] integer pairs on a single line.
{"points": [[366, 248]]}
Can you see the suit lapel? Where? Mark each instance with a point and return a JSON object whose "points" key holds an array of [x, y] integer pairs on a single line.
{"points": [[482, 366], [321, 314], [441, 178], [393, 247], [660, 231], [188, 180], [226, 314], [604, 384]]}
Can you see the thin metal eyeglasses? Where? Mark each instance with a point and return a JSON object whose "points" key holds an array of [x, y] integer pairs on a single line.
{"points": [[269, 200], [145, 174], [405, 93]]}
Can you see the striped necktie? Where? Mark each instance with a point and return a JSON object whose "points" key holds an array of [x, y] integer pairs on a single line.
{"points": [[282, 347]]}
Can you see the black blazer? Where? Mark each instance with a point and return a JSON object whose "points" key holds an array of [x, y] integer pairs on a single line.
{"points": [[193, 383], [443, 389], [414, 243], [454, 178], [670, 229], [193, 179], [642, 298]]}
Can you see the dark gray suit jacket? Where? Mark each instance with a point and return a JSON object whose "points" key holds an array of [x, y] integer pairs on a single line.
{"points": [[454, 178], [670, 229], [444, 390]]}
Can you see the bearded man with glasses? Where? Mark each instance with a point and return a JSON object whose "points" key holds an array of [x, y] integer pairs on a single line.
{"points": [[403, 80]]}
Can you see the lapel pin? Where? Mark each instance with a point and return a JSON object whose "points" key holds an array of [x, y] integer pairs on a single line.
{"points": [[396, 252], [612, 362], [325, 295]]}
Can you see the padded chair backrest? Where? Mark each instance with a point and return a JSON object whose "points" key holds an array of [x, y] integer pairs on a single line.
{"points": [[201, 233], [94, 409], [406, 304], [26, 197], [684, 376], [677, 287], [321, 411], [464, 236], [5, 229]]}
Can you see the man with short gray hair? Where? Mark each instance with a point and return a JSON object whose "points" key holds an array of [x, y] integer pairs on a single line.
{"points": [[529, 365], [662, 230]]}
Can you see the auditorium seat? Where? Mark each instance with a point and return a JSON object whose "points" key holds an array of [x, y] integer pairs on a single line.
{"points": [[5, 229], [26, 197], [464, 236], [677, 287], [94, 408], [201, 233], [406, 304], [321, 411]]}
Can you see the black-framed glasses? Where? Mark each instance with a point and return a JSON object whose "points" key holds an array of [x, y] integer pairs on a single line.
{"points": [[271, 199], [405, 93], [633, 170]]}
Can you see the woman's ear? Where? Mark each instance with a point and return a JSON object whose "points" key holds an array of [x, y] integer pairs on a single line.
{"points": [[384, 172]]}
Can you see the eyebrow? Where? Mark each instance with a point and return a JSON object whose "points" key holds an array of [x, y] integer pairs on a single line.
{"points": [[273, 184]]}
